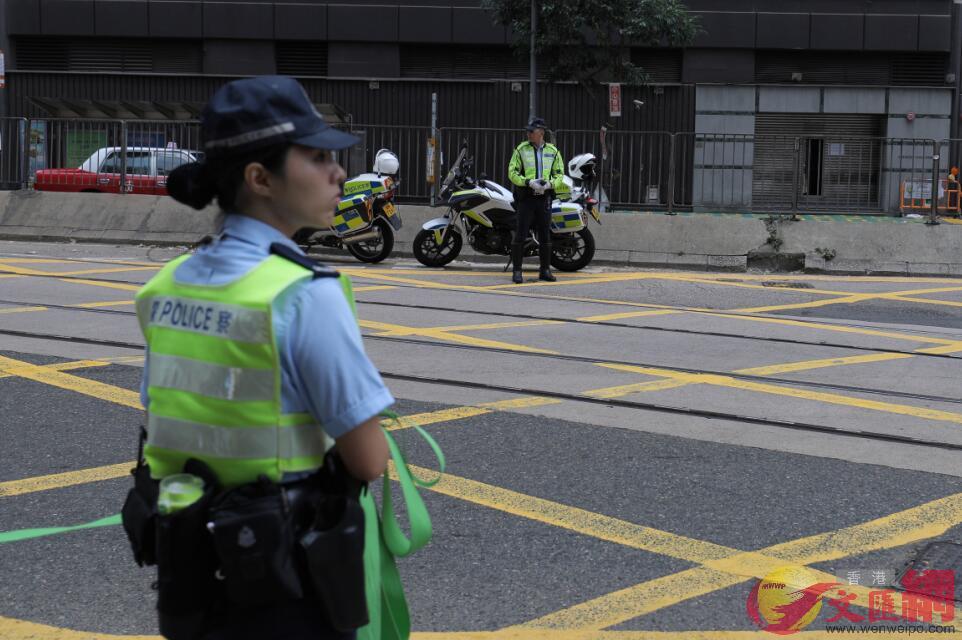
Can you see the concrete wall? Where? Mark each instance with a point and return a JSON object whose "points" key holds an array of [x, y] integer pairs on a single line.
{"points": [[703, 242]]}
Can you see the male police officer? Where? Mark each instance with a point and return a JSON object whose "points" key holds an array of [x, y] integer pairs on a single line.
{"points": [[537, 171]]}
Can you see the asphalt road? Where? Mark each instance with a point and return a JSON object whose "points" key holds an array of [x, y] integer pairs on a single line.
{"points": [[614, 443]]}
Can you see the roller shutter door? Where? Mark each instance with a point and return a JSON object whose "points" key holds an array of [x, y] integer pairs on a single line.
{"points": [[839, 161]]}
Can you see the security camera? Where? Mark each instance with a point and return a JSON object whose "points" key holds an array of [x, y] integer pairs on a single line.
{"points": [[638, 103]]}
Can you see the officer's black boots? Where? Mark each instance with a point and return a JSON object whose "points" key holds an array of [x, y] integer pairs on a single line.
{"points": [[517, 255], [544, 253]]}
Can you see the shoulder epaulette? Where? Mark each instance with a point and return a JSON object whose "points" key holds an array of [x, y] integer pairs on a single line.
{"points": [[319, 270]]}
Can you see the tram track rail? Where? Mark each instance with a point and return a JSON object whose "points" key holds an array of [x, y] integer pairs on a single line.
{"points": [[792, 425], [575, 321], [568, 358], [533, 296]]}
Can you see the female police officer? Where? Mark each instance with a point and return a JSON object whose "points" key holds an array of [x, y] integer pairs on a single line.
{"points": [[254, 357]]}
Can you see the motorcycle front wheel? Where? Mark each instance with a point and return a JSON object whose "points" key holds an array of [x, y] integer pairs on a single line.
{"points": [[376, 249], [430, 253], [572, 251]]}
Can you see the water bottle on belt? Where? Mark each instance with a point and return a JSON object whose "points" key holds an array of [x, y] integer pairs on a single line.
{"points": [[179, 491]]}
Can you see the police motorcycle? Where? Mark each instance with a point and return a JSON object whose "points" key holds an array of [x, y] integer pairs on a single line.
{"points": [[483, 212], [366, 218]]}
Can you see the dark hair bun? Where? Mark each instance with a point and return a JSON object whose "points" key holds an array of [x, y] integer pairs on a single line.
{"points": [[192, 184]]}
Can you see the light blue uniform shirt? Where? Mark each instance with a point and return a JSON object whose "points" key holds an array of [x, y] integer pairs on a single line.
{"points": [[324, 369]]}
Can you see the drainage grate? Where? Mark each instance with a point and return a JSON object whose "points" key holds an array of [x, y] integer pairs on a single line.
{"points": [[788, 285]]}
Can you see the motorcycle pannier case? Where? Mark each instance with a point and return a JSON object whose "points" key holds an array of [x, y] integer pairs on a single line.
{"points": [[353, 214]]}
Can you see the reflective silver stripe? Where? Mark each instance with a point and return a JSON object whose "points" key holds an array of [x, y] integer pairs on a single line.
{"points": [[236, 442], [215, 319], [251, 136], [209, 379]]}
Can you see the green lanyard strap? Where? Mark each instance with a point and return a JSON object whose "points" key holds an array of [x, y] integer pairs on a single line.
{"points": [[420, 522]]}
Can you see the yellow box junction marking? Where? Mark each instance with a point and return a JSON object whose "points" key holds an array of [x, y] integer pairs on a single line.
{"points": [[732, 314], [66, 381], [447, 336], [909, 526], [818, 364], [6, 310], [25, 271], [820, 396], [912, 525]]}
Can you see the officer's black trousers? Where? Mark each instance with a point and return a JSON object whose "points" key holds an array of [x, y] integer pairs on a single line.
{"points": [[533, 213]]}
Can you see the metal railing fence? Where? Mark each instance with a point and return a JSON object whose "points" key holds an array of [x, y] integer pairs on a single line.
{"points": [[409, 144], [636, 169], [13, 152]]}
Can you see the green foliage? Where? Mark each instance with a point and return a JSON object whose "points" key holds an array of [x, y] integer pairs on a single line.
{"points": [[586, 40]]}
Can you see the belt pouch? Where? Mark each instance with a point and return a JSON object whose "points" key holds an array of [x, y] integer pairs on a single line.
{"points": [[186, 569], [334, 549], [139, 516], [254, 538]]}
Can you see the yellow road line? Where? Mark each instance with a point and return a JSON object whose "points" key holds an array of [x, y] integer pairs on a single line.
{"points": [[66, 479], [910, 526], [106, 303], [83, 305], [447, 336], [640, 387], [819, 396], [24, 271], [444, 415], [106, 285], [11, 629], [86, 364], [702, 280], [852, 299], [471, 327], [851, 279], [708, 312], [21, 271], [953, 347], [66, 366], [132, 263], [22, 309], [951, 220], [95, 474], [521, 403], [66, 381], [627, 314], [383, 287], [824, 326], [818, 364], [925, 521], [946, 303]]}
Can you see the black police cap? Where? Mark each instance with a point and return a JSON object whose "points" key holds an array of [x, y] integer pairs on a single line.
{"points": [[537, 123], [259, 112]]}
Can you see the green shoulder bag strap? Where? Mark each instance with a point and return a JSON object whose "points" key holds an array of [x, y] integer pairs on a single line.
{"points": [[392, 620]]}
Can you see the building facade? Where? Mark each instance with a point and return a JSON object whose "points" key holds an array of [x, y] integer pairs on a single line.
{"points": [[762, 78]]}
